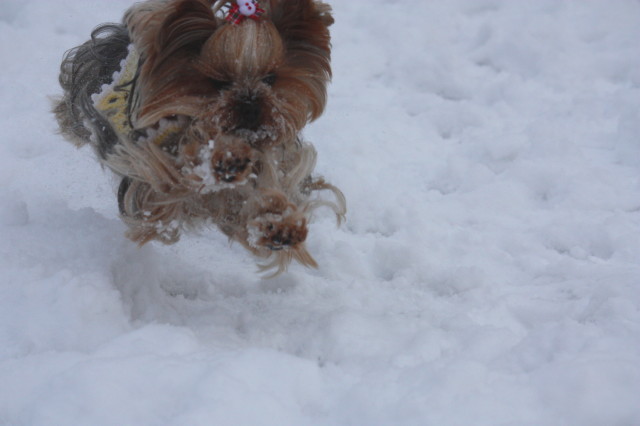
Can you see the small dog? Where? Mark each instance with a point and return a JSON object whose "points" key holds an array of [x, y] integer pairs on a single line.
{"points": [[197, 105]]}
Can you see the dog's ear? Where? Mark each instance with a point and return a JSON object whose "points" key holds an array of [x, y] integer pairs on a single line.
{"points": [[186, 29], [304, 28], [167, 36], [161, 30]]}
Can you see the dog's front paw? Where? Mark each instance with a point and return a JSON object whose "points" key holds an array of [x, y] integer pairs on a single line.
{"points": [[278, 224], [277, 232], [223, 164], [232, 163]]}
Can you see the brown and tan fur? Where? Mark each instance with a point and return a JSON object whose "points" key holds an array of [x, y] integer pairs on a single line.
{"points": [[212, 124]]}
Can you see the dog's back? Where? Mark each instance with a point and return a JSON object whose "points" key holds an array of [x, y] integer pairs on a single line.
{"points": [[84, 70]]}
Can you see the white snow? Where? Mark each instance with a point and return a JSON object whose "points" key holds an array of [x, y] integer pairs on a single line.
{"points": [[488, 272]]}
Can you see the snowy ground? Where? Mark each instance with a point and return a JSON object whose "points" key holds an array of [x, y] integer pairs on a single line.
{"points": [[488, 273]]}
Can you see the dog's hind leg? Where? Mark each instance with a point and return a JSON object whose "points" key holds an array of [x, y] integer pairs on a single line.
{"points": [[147, 214], [155, 215]]}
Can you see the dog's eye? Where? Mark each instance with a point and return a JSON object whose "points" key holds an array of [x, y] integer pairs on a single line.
{"points": [[270, 79], [220, 84]]}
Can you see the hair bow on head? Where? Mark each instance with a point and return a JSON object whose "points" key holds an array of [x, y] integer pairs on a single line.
{"points": [[244, 9]]}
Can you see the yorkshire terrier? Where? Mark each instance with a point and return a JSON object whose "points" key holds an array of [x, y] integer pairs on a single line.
{"points": [[197, 106]]}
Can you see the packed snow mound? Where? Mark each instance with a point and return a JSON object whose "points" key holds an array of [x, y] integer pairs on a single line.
{"points": [[488, 272]]}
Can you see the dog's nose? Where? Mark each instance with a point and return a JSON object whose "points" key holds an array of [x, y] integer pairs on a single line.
{"points": [[248, 111]]}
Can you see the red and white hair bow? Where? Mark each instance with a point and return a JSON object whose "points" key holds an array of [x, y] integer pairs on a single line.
{"points": [[244, 9]]}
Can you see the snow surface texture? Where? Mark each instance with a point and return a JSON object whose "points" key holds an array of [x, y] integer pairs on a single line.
{"points": [[488, 273]]}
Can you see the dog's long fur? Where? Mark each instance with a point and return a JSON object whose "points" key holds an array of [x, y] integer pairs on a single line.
{"points": [[201, 119]]}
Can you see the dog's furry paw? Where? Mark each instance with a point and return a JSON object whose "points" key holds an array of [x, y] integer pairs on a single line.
{"points": [[278, 224], [147, 215], [277, 232], [232, 163], [223, 164]]}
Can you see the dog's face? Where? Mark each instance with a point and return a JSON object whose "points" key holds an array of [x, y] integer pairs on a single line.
{"points": [[260, 80]]}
